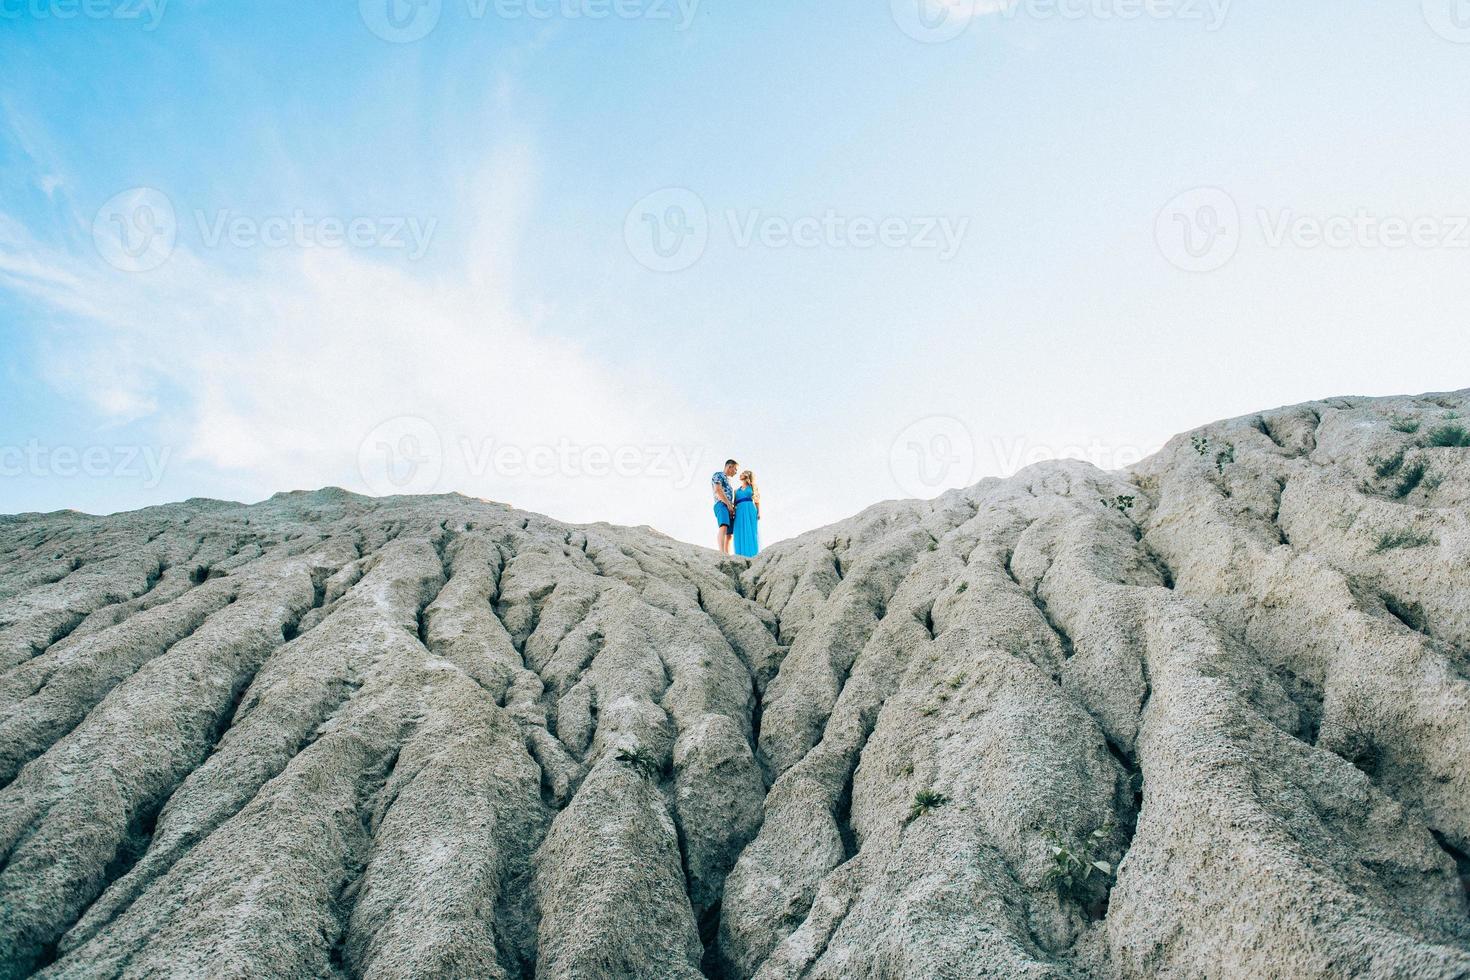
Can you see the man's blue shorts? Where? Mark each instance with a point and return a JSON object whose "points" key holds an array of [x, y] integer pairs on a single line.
{"points": [[722, 514]]}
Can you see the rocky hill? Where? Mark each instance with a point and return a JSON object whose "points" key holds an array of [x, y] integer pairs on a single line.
{"points": [[1208, 717]]}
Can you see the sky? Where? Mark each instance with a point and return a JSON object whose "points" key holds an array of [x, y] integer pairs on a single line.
{"points": [[573, 254]]}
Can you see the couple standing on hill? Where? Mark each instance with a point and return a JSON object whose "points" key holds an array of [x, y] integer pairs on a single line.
{"points": [[738, 512]]}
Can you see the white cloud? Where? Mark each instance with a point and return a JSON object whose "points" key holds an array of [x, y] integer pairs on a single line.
{"points": [[273, 370]]}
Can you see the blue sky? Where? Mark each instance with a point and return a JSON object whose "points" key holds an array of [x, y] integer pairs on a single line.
{"points": [[1099, 231]]}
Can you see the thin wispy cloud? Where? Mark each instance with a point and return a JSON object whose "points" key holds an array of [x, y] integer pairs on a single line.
{"points": [[280, 369]]}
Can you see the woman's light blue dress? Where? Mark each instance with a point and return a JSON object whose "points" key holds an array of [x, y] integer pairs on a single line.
{"points": [[747, 524]]}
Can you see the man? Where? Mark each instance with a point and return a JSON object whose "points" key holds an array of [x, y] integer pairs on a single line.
{"points": [[724, 503]]}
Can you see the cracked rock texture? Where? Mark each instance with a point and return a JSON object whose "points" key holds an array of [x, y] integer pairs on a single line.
{"points": [[327, 735]]}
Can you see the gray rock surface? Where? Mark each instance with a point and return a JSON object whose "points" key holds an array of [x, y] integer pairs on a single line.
{"points": [[328, 735]]}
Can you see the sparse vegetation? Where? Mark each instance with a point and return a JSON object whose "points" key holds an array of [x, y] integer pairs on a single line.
{"points": [[1387, 466], [641, 760], [926, 800], [957, 681], [1122, 502], [1409, 478], [960, 590], [1073, 866], [1410, 426], [1201, 444], [1224, 457], [1448, 437], [1402, 538]]}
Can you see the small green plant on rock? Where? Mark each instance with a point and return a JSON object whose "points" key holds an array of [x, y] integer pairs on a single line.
{"points": [[1073, 866], [1402, 538], [1201, 444], [1122, 503], [1410, 426], [926, 800], [1448, 437], [1387, 466], [1409, 478], [960, 590], [1224, 457], [641, 760]]}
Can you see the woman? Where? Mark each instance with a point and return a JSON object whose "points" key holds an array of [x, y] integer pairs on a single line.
{"points": [[747, 516]]}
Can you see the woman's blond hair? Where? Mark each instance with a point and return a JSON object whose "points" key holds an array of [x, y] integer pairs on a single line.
{"points": [[748, 476]]}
